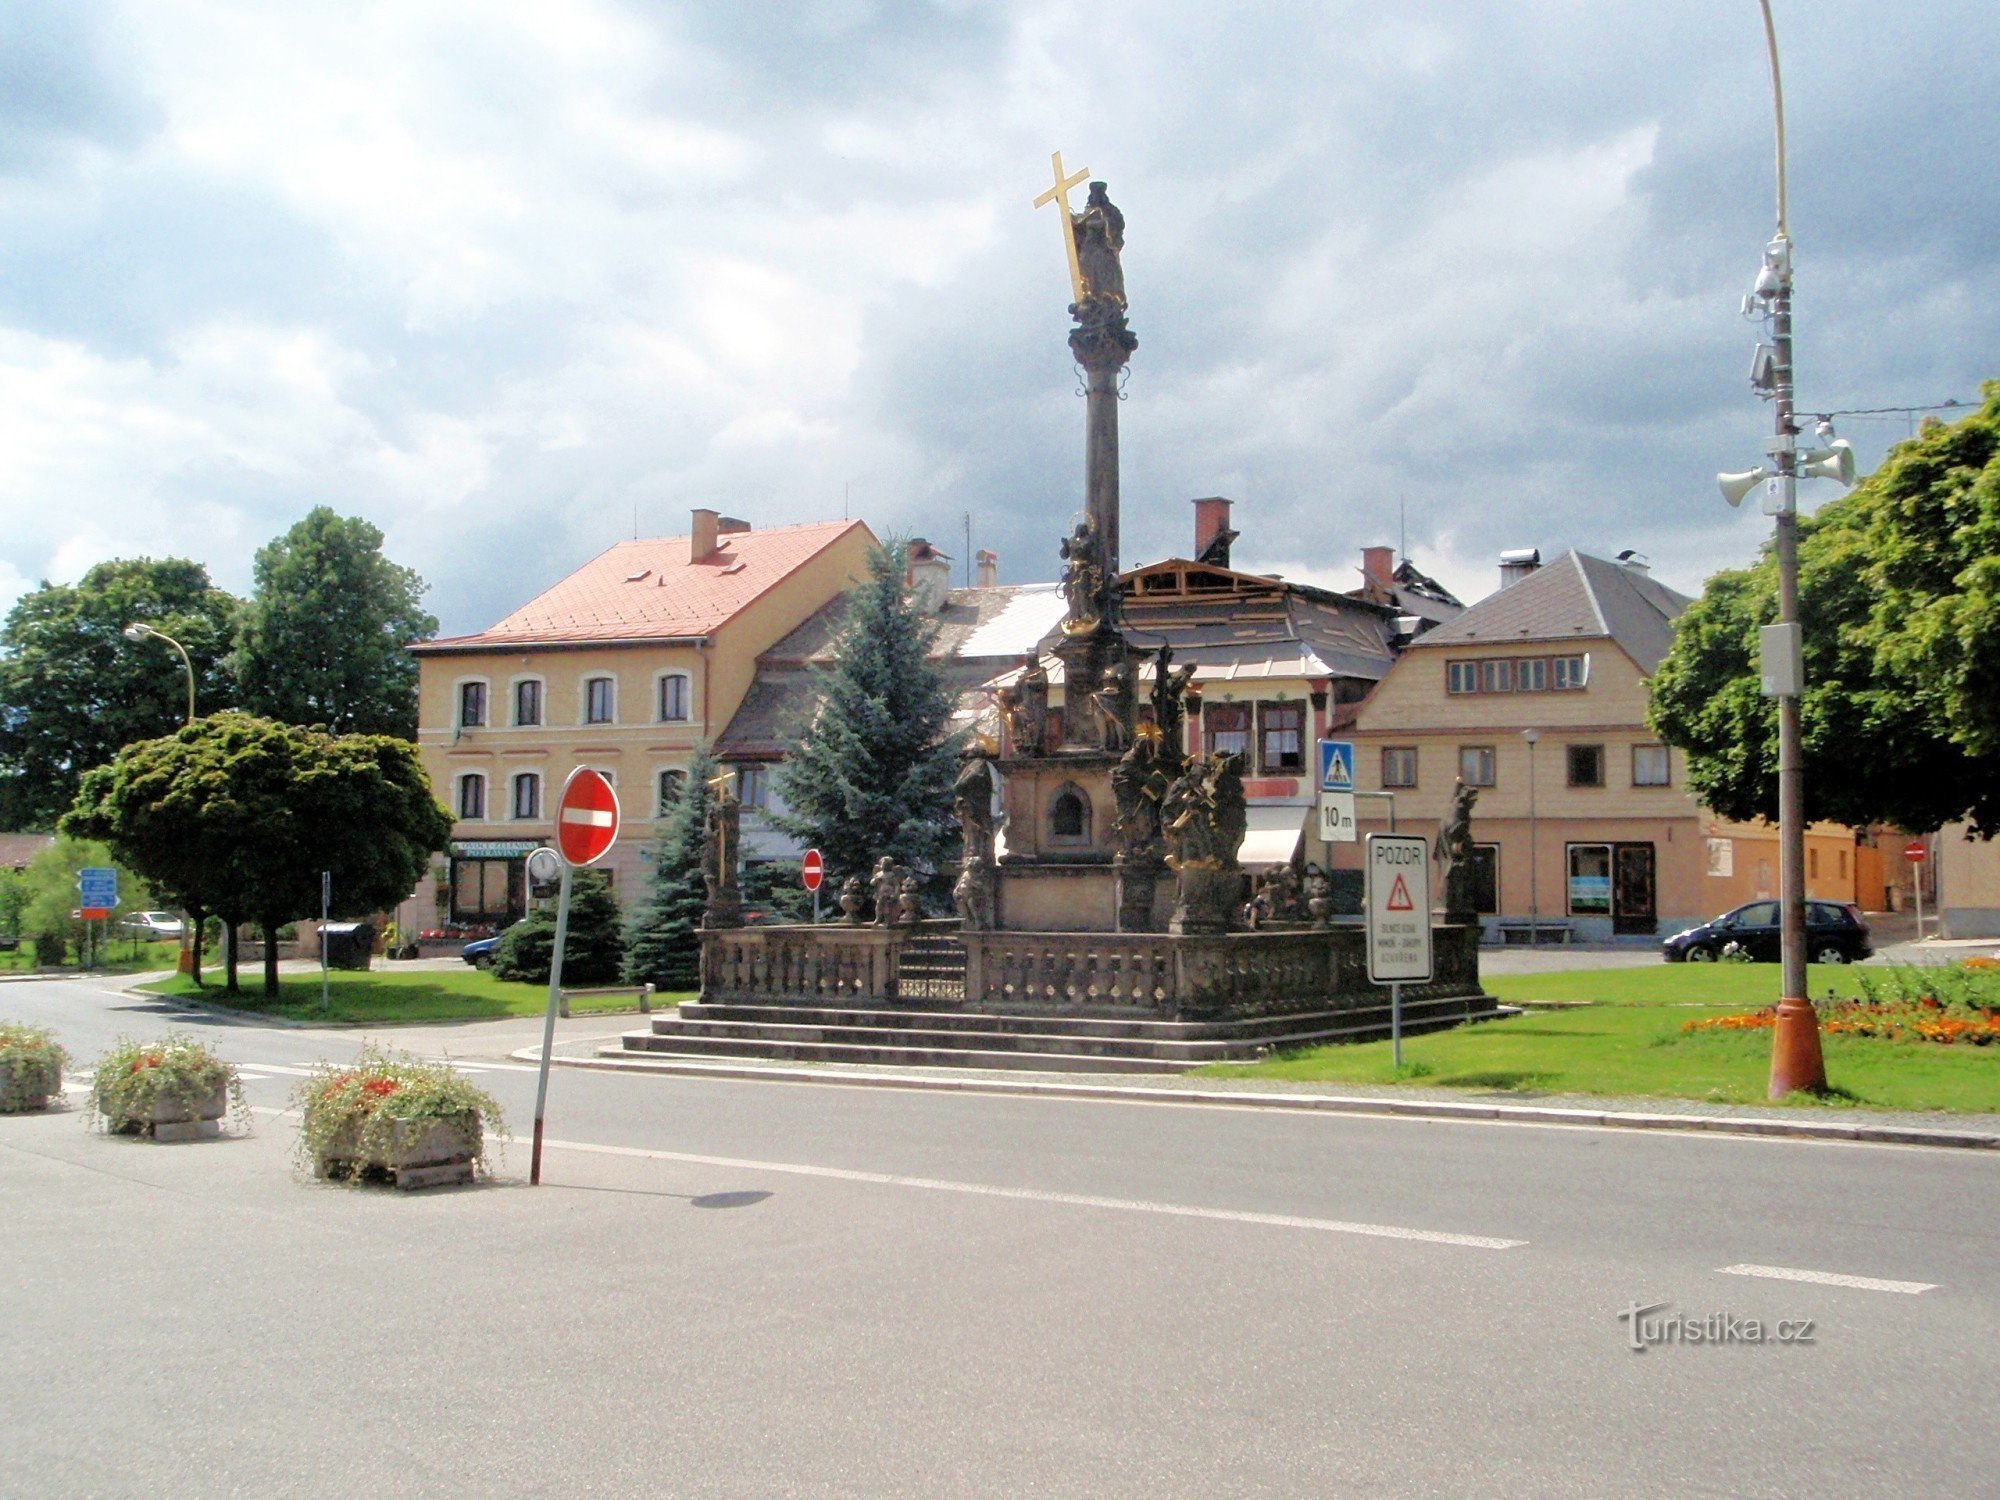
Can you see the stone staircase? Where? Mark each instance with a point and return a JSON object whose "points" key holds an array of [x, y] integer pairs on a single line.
{"points": [[907, 1036]]}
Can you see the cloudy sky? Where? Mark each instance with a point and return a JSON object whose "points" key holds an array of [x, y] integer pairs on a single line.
{"points": [[501, 276]]}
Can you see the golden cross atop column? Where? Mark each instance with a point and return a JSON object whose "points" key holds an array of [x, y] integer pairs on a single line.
{"points": [[1059, 195]]}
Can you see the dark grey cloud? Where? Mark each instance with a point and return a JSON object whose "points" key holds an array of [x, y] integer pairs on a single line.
{"points": [[499, 276]]}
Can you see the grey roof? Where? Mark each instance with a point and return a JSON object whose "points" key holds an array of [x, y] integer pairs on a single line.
{"points": [[999, 624], [1575, 598], [17, 849]]}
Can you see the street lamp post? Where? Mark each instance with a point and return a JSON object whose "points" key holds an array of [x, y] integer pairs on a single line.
{"points": [[140, 631], [1796, 1060], [1533, 737]]}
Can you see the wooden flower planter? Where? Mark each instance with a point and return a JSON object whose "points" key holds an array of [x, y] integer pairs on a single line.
{"points": [[175, 1117], [418, 1154], [28, 1086]]}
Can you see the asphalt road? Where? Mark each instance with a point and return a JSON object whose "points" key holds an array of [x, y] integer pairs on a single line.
{"points": [[740, 1288]]}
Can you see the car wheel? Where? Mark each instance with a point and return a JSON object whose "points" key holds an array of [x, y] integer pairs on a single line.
{"points": [[1700, 953], [1831, 953]]}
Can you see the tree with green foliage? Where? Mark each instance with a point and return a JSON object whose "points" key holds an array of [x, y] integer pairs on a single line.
{"points": [[73, 690], [322, 638], [49, 897], [238, 816], [871, 774], [594, 950], [1899, 590], [662, 948]]}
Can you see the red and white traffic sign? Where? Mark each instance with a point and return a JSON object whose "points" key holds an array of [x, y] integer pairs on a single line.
{"points": [[586, 817], [812, 870], [1916, 851]]}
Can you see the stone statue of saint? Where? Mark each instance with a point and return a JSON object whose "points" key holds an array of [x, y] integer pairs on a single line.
{"points": [[888, 885], [1115, 701], [909, 900], [721, 852], [1032, 719], [1170, 685], [1082, 579], [1100, 237], [973, 896], [972, 805], [1455, 848]]}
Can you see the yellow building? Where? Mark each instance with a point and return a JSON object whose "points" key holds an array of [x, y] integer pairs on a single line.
{"points": [[1537, 696], [625, 666]]}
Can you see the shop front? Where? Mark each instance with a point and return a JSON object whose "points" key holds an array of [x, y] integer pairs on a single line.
{"points": [[488, 882]]}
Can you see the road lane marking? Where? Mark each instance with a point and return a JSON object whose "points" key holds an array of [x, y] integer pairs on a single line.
{"points": [[1831, 1278], [1038, 1195]]}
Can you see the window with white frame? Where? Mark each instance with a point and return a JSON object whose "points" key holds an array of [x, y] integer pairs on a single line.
{"points": [[471, 705], [672, 782], [1475, 765], [1399, 765], [1572, 673], [674, 698], [472, 795], [528, 702], [599, 700], [1651, 766], [528, 794]]}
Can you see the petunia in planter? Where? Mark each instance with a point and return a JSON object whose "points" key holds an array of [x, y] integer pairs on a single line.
{"points": [[389, 1116], [172, 1090], [31, 1065]]}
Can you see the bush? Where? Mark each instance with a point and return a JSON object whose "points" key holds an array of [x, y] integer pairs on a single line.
{"points": [[34, 1062], [50, 949], [351, 1113], [133, 1077], [596, 949]]}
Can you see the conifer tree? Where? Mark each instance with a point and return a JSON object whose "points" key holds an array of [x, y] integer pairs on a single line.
{"points": [[872, 773], [662, 948], [594, 946]]}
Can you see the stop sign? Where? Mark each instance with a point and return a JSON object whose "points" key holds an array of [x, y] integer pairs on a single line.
{"points": [[812, 870], [1915, 850], [586, 817]]}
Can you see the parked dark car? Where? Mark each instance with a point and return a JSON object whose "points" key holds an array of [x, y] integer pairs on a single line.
{"points": [[479, 952], [1836, 933]]}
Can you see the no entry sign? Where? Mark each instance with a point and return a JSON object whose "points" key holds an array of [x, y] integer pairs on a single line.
{"points": [[1916, 851], [812, 869], [586, 817]]}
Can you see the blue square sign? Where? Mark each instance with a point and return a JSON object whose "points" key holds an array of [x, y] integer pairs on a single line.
{"points": [[1336, 765]]}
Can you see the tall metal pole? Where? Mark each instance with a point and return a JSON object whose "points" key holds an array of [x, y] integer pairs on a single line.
{"points": [[1533, 736], [1796, 1059], [549, 1023]]}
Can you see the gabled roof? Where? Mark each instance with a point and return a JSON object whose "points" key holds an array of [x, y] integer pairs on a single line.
{"points": [[651, 590], [1575, 598], [16, 849]]}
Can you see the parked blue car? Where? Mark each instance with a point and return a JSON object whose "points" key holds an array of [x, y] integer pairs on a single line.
{"points": [[479, 952]]}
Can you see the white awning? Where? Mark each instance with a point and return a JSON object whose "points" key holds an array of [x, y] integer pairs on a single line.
{"points": [[1273, 836]]}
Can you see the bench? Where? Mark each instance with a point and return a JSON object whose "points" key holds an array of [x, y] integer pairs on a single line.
{"points": [[1520, 930], [642, 993]]}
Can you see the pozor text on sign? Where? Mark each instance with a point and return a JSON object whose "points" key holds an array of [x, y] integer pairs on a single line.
{"points": [[1399, 908]]}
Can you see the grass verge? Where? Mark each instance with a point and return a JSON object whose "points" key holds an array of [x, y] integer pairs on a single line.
{"points": [[1627, 1039], [389, 997]]}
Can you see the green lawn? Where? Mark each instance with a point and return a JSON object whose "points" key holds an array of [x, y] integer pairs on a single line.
{"points": [[388, 996], [1628, 1040], [126, 957], [1742, 986]]}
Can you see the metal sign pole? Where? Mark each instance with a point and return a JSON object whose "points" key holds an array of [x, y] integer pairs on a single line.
{"points": [[1396, 1026], [325, 912], [549, 1022]]}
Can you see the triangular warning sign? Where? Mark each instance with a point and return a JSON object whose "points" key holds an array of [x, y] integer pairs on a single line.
{"points": [[1399, 897]]}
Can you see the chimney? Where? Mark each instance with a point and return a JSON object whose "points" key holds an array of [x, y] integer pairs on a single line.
{"points": [[928, 577], [1378, 574], [1635, 562], [701, 539], [1517, 563], [1212, 535], [989, 568], [724, 525]]}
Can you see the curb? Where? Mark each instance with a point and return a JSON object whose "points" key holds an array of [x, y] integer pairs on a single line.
{"points": [[1423, 1109]]}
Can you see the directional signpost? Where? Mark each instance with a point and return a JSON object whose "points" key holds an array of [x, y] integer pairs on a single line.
{"points": [[97, 894], [586, 828], [1399, 920], [1336, 791]]}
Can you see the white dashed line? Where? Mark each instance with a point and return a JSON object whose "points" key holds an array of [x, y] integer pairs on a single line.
{"points": [[1073, 1200], [1831, 1278]]}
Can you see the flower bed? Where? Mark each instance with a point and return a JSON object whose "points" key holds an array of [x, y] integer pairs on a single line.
{"points": [[173, 1089], [31, 1064], [389, 1116]]}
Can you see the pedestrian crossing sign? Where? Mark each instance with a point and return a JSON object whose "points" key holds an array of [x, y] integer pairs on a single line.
{"points": [[1336, 765]]}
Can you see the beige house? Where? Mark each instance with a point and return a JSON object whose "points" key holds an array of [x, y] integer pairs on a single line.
{"points": [[626, 666], [1537, 696]]}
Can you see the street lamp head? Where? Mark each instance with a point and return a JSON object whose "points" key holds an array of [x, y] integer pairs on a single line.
{"points": [[138, 630], [1531, 735]]}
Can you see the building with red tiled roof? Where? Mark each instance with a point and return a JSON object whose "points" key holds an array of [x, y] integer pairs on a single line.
{"points": [[625, 665]]}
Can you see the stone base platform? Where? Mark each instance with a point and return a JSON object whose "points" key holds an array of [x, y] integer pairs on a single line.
{"points": [[905, 1036]]}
